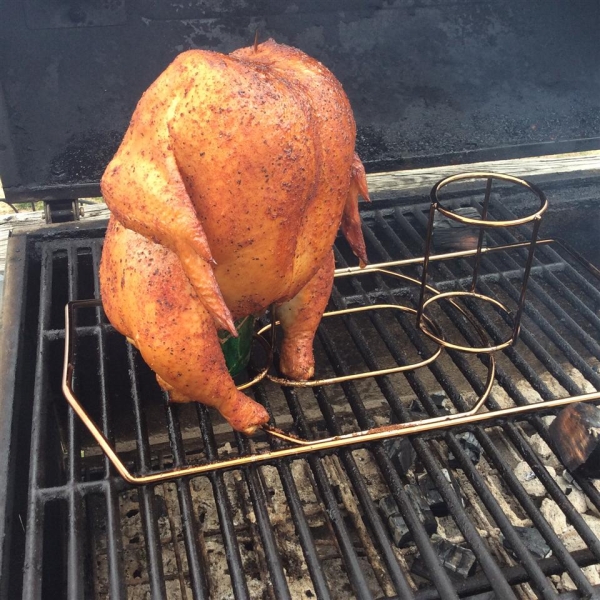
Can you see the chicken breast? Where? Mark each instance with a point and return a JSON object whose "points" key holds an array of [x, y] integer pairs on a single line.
{"points": [[226, 196]]}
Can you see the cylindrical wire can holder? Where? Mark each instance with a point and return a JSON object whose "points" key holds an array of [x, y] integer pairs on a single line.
{"points": [[483, 223]]}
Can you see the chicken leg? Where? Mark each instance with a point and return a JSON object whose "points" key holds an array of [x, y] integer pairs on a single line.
{"points": [[300, 318], [148, 298]]}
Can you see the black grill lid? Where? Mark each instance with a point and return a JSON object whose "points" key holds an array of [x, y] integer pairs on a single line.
{"points": [[431, 82]]}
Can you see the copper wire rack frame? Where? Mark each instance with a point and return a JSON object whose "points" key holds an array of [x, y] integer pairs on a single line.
{"points": [[295, 446], [483, 223]]}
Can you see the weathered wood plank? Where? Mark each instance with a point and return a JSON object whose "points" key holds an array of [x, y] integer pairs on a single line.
{"points": [[387, 185]]}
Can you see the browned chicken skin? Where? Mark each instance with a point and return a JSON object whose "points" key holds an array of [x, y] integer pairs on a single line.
{"points": [[226, 194]]}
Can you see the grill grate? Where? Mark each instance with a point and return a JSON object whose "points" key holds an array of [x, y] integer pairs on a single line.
{"points": [[311, 527]]}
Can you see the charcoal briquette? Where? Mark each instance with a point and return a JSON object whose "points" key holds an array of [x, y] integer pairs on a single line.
{"points": [[400, 532], [401, 453], [533, 540], [421, 508], [457, 560], [388, 507], [398, 527], [432, 496], [438, 398], [471, 447]]}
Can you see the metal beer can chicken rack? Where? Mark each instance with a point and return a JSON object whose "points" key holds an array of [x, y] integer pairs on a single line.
{"points": [[295, 445]]}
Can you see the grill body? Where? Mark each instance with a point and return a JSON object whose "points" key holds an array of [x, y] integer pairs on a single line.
{"points": [[434, 83], [310, 526]]}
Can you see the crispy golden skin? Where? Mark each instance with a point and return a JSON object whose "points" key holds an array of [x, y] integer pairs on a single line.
{"points": [[227, 193]]}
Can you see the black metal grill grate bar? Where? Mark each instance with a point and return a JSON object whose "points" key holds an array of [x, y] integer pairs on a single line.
{"points": [[301, 524], [418, 531], [272, 556], [76, 532], [194, 544], [32, 581], [234, 559], [462, 519], [525, 449], [330, 516], [342, 534], [114, 549], [544, 476]]}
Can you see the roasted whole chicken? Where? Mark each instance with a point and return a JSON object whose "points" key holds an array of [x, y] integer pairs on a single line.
{"points": [[226, 195]]}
